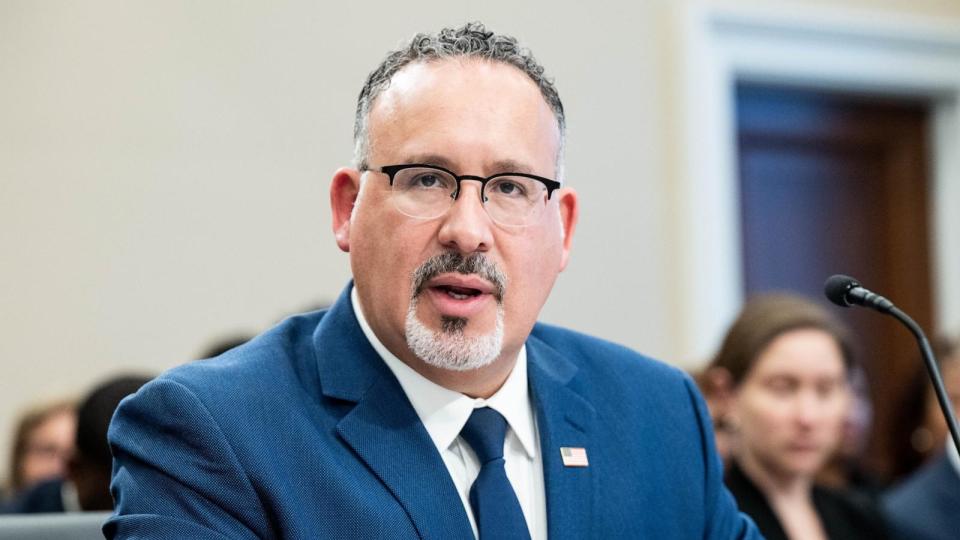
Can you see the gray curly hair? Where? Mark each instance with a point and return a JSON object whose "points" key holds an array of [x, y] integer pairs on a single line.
{"points": [[469, 40]]}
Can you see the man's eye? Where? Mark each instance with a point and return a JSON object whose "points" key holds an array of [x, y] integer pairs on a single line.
{"points": [[509, 188], [426, 181]]}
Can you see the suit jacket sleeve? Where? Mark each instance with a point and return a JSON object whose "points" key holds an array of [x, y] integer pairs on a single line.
{"points": [[724, 520], [175, 474]]}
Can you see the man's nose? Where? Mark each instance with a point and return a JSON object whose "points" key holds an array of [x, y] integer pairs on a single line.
{"points": [[466, 226]]}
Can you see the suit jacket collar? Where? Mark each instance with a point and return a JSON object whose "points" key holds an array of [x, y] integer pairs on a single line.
{"points": [[347, 363], [384, 431], [565, 419]]}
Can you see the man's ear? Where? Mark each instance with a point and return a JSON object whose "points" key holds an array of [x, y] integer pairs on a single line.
{"points": [[344, 190], [569, 214]]}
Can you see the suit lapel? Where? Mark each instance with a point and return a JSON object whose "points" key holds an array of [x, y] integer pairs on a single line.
{"points": [[564, 419], [383, 429]]}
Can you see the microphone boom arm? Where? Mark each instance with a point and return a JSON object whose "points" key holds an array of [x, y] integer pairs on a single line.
{"points": [[846, 291], [932, 370]]}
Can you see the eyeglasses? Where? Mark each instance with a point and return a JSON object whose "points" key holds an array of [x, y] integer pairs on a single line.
{"points": [[427, 191]]}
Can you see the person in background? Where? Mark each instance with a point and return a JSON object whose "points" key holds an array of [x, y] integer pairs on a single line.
{"points": [[86, 483], [926, 506], [787, 364], [42, 444]]}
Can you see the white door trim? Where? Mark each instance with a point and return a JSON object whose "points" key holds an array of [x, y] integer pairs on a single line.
{"points": [[848, 49]]}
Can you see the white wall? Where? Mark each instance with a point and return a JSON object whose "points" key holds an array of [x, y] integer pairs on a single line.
{"points": [[164, 170]]}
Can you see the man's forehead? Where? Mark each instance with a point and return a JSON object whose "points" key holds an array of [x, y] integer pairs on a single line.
{"points": [[453, 111], [435, 74], [446, 67]]}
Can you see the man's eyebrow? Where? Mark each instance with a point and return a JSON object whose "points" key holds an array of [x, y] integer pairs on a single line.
{"points": [[432, 159], [510, 165], [497, 167]]}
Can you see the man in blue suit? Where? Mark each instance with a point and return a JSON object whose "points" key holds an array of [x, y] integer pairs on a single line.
{"points": [[427, 402], [926, 506]]}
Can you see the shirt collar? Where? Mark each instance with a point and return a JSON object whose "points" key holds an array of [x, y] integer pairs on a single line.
{"points": [[953, 455], [444, 412], [70, 497]]}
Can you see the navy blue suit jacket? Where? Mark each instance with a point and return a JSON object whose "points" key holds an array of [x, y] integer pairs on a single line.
{"points": [[926, 506], [305, 433]]}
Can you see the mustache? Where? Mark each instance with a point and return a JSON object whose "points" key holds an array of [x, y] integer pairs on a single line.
{"points": [[453, 262]]}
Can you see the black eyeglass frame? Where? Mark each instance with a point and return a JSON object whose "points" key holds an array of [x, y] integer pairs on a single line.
{"points": [[391, 170]]}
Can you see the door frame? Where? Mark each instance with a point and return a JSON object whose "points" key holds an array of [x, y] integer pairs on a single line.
{"points": [[819, 47]]}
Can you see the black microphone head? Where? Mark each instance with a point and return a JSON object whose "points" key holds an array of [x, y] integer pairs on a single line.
{"points": [[837, 287]]}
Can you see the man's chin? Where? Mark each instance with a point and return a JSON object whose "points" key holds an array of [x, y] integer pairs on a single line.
{"points": [[453, 325], [454, 342]]}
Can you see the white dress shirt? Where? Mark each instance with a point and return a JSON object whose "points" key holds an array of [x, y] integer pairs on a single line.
{"points": [[952, 454], [444, 413]]}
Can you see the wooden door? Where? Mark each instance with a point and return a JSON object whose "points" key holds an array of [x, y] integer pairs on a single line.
{"points": [[834, 183]]}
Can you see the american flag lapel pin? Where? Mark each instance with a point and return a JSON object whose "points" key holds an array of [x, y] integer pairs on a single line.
{"points": [[574, 456]]}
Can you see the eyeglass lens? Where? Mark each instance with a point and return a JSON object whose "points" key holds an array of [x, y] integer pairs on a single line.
{"points": [[427, 193]]}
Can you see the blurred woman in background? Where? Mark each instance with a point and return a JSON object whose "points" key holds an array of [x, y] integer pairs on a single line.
{"points": [[43, 443], [783, 374]]}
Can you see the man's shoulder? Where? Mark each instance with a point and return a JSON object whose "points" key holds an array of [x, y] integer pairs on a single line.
{"points": [[596, 354], [278, 357], [605, 368], [913, 493], [914, 508]]}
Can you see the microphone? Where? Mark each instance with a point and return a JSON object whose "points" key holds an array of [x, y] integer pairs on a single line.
{"points": [[846, 291]]}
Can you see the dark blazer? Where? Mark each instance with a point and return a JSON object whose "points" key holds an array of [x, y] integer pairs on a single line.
{"points": [[845, 516], [305, 433], [926, 506], [43, 498]]}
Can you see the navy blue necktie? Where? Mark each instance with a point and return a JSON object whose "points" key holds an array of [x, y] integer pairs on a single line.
{"points": [[495, 505]]}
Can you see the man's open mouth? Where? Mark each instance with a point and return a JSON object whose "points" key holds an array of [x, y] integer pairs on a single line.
{"points": [[460, 278], [459, 293]]}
